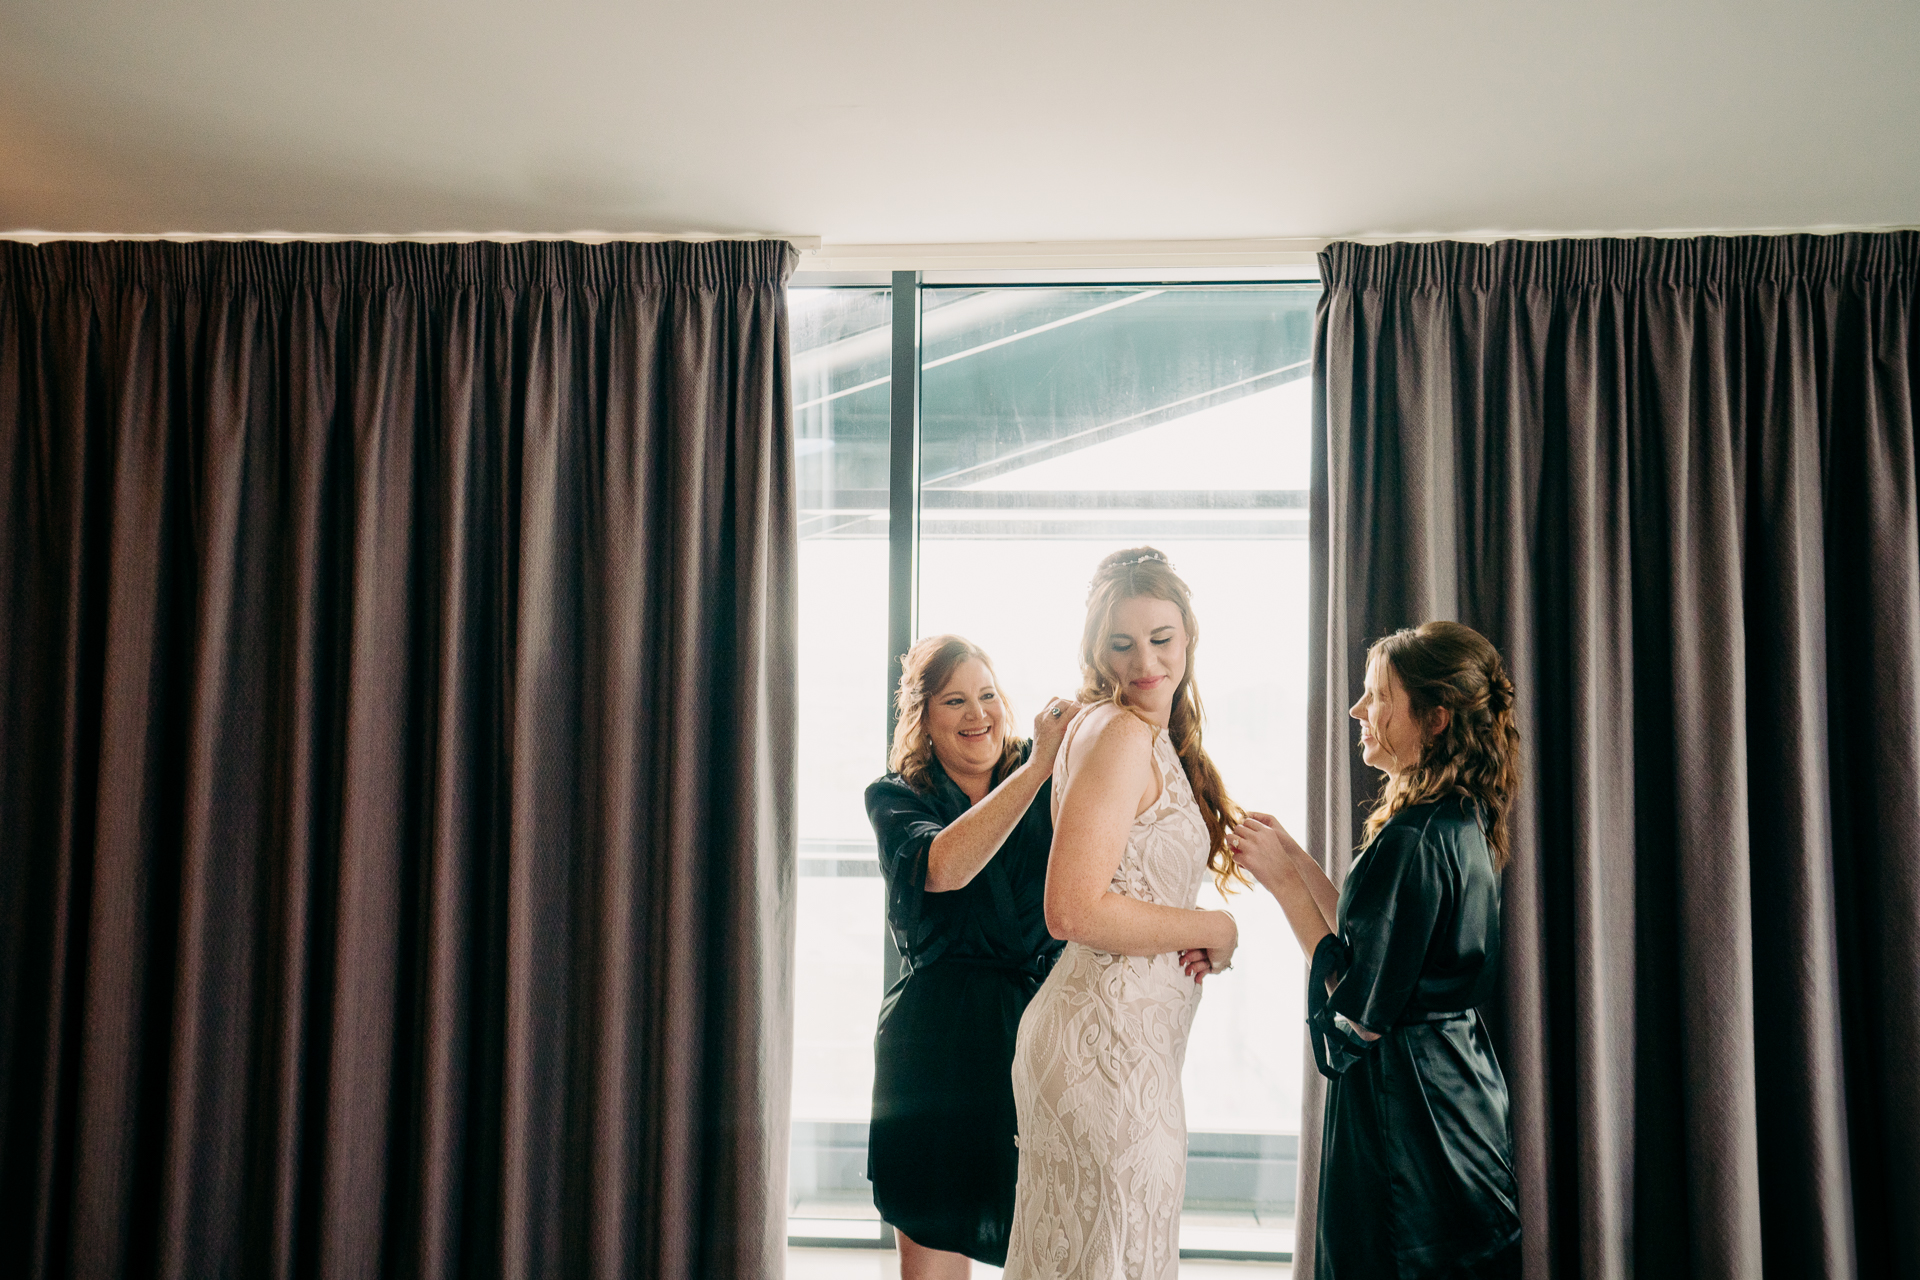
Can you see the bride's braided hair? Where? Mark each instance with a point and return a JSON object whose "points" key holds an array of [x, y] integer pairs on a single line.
{"points": [[1127, 575], [1477, 756]]}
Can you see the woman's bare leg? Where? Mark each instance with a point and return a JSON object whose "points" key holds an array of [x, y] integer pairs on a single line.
{"points": [[917, 1262]]}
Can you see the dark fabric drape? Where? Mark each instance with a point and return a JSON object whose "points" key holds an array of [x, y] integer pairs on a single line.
{"points": [[1674, 482], [395, 760]]}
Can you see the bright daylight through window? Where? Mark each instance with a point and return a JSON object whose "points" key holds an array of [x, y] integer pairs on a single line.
{"points": [[1058, 424]]}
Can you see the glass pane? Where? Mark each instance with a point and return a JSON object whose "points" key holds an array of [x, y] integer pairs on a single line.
{"points": [[841, 351], [1060, 425]]}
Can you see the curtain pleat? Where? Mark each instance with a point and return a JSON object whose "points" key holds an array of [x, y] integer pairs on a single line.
{"points": [[395, 759], [1674, 481]]}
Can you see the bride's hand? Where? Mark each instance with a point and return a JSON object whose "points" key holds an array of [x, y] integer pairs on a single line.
{"points": [[1201, 961], [1196, 962]]}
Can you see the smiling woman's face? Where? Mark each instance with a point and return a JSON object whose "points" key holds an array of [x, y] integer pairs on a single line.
{"points": [[1390, 734], [1147, 648], [967, 722]]}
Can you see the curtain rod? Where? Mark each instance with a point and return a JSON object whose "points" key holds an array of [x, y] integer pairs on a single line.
{"points": [[819, 255], [805, 244]]}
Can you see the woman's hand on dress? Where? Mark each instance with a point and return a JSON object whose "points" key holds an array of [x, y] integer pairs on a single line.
{"points": [[1050, 729], [1258, 843]]}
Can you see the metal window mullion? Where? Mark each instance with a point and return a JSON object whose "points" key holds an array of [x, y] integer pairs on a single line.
{"points": [[903, 544], [903, 515], [903, 483]]}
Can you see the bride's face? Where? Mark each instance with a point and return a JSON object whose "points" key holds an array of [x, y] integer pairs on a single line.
{"points": [[1147, 649]]}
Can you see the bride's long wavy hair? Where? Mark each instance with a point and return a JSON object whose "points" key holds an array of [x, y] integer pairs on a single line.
{"points": [[1477, 755], [1127, 575]]}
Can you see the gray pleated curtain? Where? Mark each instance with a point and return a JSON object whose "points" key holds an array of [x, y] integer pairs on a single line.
{"points": [[1675, 482], [396, 749]]}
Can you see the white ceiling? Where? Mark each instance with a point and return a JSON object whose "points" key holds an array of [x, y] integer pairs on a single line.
{"points": [[918, 121]]}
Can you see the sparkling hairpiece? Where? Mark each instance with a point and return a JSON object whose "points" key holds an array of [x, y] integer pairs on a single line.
{"points": [[1149, 556]]}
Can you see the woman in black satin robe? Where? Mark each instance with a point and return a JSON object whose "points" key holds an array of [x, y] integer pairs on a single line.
{"points": [[1416, 1154], [964, 822]]}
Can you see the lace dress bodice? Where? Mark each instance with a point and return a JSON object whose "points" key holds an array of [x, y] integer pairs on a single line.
{"points": [[1166, 852], [1096, 1073]]}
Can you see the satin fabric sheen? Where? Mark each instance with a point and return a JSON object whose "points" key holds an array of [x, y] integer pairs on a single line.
{"points": [[1416, 1156]]}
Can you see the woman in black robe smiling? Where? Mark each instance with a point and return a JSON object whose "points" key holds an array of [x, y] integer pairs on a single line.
{"points": [[1416, 1164], [964, 824]]}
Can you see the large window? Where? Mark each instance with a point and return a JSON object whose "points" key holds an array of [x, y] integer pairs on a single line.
{"points": [[1057, 424]]}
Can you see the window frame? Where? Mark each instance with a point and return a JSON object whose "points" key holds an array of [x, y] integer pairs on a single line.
{"points": [[906, 367]]}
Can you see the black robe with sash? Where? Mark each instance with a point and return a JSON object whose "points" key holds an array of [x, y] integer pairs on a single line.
{"points": [[1416, 1156]]}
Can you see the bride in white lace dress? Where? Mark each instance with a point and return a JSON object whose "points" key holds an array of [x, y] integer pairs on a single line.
{"points": [[1140, 815]]}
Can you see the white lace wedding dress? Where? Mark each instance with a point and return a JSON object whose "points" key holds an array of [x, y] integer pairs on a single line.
{"points": [[1096, 1074]]}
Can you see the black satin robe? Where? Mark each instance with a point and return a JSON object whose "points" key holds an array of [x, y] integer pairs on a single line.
{"points": [[940, 1147], [1416, 1156]]}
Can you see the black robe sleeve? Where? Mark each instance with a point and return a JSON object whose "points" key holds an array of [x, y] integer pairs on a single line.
{"points": [[1397, 895], [904, 823]]}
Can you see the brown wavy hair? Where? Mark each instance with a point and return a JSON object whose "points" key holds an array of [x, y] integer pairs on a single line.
{"points": [[924, 672], [1477, 756], [1128, 575]]}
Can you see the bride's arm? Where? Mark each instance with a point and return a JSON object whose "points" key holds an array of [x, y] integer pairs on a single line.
{"points": [[1112, 774]]}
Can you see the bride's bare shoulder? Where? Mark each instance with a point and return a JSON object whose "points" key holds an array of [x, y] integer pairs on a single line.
{"points": [[1109, 730]]}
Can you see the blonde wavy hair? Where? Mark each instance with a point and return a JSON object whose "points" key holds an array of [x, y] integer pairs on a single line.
{"points": [[925, 670], [1128, 575], [1477, 755]]}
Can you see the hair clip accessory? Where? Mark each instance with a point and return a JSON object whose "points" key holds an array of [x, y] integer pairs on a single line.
{"points": [[1145, 557]]}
